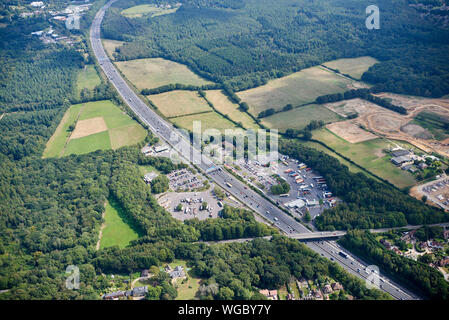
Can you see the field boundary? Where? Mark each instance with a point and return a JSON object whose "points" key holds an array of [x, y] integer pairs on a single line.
{"points": [[70, 134], [190, 114], [355, 164]]}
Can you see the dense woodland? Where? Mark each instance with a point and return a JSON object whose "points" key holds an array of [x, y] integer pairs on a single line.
{"points": [[243, 43], [413, 274], [367, 203]]}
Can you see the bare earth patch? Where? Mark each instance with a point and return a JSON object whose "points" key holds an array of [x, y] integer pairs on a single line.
{"points": [[87, 127], [350, 132], [416, 131]]}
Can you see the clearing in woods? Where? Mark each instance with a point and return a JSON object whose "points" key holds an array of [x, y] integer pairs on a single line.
{"points": [[354, 67], [111, 45], [227, 107], [87, 78], [298, 88], [179, 103], [116, 230], [299, 117], [96, 125], [156, 72], [369, 155]]}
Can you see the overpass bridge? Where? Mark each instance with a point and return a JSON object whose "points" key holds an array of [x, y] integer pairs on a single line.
{"points": [[321, 235], [317, 235]]}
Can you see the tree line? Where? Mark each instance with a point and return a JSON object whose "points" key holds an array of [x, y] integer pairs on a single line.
{"points": [[412, 274], [363, 94]]}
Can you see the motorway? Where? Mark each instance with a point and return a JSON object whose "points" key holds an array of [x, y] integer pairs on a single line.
{"points": [[172, 136]]}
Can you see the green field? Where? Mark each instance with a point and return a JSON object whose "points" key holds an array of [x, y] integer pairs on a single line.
{"points": [[116, 231], [120, 130], [56, 144], [296, 89], [435, 123], [298, 118], [210, 120], [111, 45], [355, 67], [225, 106], [370, 155], [179, 103], [350, 166], [93, 142], [87, 78], [157, 72], [140, 10]]}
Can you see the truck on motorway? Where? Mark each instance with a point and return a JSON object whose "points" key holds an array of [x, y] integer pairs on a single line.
{"points": [[229, 185], [284, 195], [344, 255]]}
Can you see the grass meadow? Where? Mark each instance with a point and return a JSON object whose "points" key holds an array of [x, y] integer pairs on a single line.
{"points": [[156, 72], [116, 231], [299, 117], [298, 88], [369, 155], [225, 106], [355, 67]]}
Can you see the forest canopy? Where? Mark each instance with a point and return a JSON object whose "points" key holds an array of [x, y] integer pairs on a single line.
{"points": [[243, 43]]}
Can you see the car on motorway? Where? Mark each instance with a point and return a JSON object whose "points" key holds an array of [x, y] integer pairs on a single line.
{"points": [[276, 219], [267, 212]]}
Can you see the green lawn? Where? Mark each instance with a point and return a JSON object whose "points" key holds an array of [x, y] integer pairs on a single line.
{"points": [[87, 78], [147, 169], [296, 89], [188, 289], [116, 231], [298, 118], [370, 155], [355, 67], [121, 130]]}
